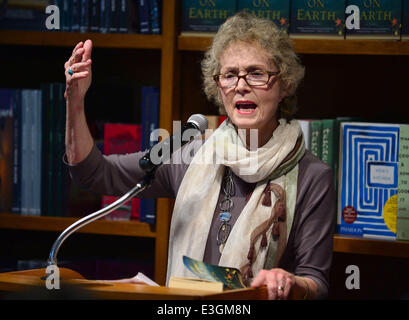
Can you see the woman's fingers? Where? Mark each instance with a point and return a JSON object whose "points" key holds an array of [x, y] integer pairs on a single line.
{"points": [[87, 50], [80, 66]]}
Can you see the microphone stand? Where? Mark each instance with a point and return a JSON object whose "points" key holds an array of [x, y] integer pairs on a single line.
{"points": [[139, 187]]}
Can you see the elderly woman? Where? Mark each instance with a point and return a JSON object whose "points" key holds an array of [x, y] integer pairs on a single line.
{"points": [[267, 207]]}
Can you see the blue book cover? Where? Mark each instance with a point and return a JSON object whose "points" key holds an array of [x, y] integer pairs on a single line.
{"points": [[379, 19], [205, 16], [149, 123], [25, 152], [405, 20], [276, 10], [155, 16], [17, 114], [317, 18], [143, 12], [7, 97], [368, 179]]}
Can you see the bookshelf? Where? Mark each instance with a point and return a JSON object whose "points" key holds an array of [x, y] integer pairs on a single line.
{"points": [[179, 59]]}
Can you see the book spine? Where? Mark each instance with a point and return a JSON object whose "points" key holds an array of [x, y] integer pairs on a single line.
{"points": [[26, 139], [402, 218], [150, 122], [33, 152], [84, 24], [405, 20], [154, 8], [114, 16], [75, 15], [123, 16], [51, 150], [45, 95], [316, 138], [65, 15], [17, 114], [103, 23], [94, 16], [143, 11]]}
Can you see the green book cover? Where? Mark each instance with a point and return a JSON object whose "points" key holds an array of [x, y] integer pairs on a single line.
{"points": [[378, 19], [205, 15], [316, 137], [276, 10], [318, 18]]}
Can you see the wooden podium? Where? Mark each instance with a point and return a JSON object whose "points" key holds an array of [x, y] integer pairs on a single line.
{"points": [[30, 284]]}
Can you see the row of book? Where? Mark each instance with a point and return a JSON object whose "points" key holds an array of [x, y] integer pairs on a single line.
{"points": [[370, 162], [122, 138], [95, 16], [33, 177], [378, 19]]}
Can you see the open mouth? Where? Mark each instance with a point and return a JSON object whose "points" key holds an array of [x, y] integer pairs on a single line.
{"points": [[245, 107]]}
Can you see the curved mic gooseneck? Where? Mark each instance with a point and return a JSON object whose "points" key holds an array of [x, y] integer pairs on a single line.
{"points": [[149, 165]]}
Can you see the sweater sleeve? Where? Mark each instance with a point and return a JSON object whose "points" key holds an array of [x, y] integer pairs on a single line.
{"points": [[313, 228], [117, 174]]}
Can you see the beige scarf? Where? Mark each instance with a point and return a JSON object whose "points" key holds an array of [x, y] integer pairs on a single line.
{"points": [[258, 238]]}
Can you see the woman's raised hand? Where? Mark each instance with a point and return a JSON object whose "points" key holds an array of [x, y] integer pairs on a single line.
{"points": [[78, 74]]}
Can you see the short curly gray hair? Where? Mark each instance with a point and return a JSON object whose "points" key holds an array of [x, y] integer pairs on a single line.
{"points": [[248, 28]]}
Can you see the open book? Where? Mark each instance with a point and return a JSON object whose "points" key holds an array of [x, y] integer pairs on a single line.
{"points": [[210, 277]]}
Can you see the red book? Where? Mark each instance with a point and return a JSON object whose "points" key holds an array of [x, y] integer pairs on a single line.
{"points": [[122, 138]]}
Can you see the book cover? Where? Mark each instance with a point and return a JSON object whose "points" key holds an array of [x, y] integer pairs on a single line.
{"points": [[230, 277], [65, 15], [368, 179], [205, 16], [276, 10], [7, 101], [317, 19], [405, 20], [379, 19], [150, 110], [25, 151], [402, 218], [120, 138]]}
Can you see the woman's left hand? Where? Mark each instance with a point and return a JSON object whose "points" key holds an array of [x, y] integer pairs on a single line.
{"points": [[278, 281]]}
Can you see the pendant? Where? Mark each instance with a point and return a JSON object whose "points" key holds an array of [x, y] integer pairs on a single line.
{"points": [[223, 233]]}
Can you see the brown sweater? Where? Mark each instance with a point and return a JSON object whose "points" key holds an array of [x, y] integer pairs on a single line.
{"points": [[309, 248]]}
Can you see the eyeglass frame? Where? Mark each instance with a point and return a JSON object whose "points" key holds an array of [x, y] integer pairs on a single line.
{"points": [[269, 73]]}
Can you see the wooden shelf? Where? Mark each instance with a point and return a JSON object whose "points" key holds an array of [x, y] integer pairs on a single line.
{"points": [[357, 245], [315, 46], [68, 39], [58, 224]]}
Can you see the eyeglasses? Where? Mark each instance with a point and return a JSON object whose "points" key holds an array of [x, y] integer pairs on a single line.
{"points": [[252, 78]]}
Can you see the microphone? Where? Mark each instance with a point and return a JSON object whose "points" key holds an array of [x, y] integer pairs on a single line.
{"points": [[161, 152]]}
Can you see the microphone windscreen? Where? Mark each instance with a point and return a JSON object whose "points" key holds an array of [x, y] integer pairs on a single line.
{"points": [[200, 121]]}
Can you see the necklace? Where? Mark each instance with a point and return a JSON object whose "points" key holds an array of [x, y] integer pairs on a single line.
{"points": [[225, 206]]}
